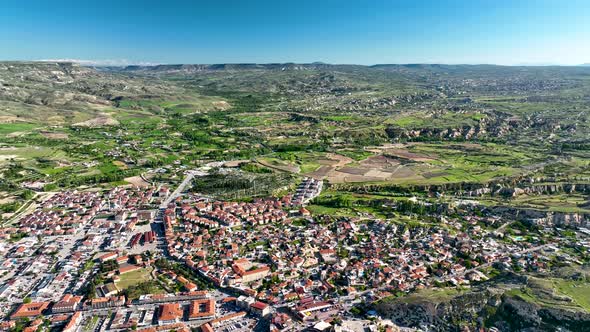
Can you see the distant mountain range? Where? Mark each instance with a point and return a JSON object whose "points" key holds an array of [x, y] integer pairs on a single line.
{"points": [[58, 93], [410, 70], [152, 66]]}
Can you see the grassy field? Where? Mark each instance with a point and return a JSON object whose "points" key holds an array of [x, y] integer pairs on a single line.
{"points": [[555, 292], [415, 163], [431, 295], [134, 277], [26, 154], [8, 128], [579, 291], [332, 211]]}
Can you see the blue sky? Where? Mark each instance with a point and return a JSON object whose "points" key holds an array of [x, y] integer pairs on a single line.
{"points": [[344, 31]]}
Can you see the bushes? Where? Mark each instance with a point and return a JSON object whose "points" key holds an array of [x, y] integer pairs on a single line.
{"points": [[17, 236], [180, 269], [114, 176], [10, 207], [338, 201], [50, 187], [236, 183], [317, 147], [254, 168], [27, 194], [108, 266]]}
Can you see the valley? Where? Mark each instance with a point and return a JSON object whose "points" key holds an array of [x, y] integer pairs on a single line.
{"points": [[426, 197]]}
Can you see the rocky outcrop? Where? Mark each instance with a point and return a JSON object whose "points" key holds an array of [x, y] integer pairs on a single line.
{"points": [[440, 314], [506, 188], [478, 308], [515, 314], [542, 218], [494, 124]]}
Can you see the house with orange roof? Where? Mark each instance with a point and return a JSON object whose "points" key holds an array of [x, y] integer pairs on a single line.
{"points": [[227, 318], [201, 309], [260, 308], [73, 323], [68, 303], [108, 256], [27, 310], [169, 313], [206, 328], [128, 268]]}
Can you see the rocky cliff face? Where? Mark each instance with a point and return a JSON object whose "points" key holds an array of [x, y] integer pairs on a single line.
{"points": [[530, 189], [494, 125], [504, 187], [440, 315], [514, 314], [543, 218], [485, 307]]}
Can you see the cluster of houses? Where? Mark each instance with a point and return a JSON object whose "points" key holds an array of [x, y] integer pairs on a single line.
{"points": [[63, 213], [229, 214], [324, 258], [66, 213], [307, 190], [31, 268], [69, 307]]}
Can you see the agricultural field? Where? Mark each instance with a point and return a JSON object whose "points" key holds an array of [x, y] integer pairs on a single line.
{"points": [[11, 128], [390, 125]]}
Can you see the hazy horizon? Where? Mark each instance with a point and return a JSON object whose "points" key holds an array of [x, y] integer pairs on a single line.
{"points": [[124, 63]]}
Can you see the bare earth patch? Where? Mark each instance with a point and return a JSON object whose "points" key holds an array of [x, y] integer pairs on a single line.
{"points": [[16, 134], [405, 154], [7, 157], [373, 169], [400, 151], [341, 160], [282, 166], [121, 165], [137, 181], [321, 172], [102, 120], [221, 105], [8, 119], [329, 165], [380, 162], [235, 163], [7, 200], [51, 135], [353, 170]]}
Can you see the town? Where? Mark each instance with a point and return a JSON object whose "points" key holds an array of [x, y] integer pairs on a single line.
{"points": [[151, 260]]}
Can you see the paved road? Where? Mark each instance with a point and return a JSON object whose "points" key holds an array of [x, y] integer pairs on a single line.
{"points": [[181, 187], [501, 228], [25, 209]]}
